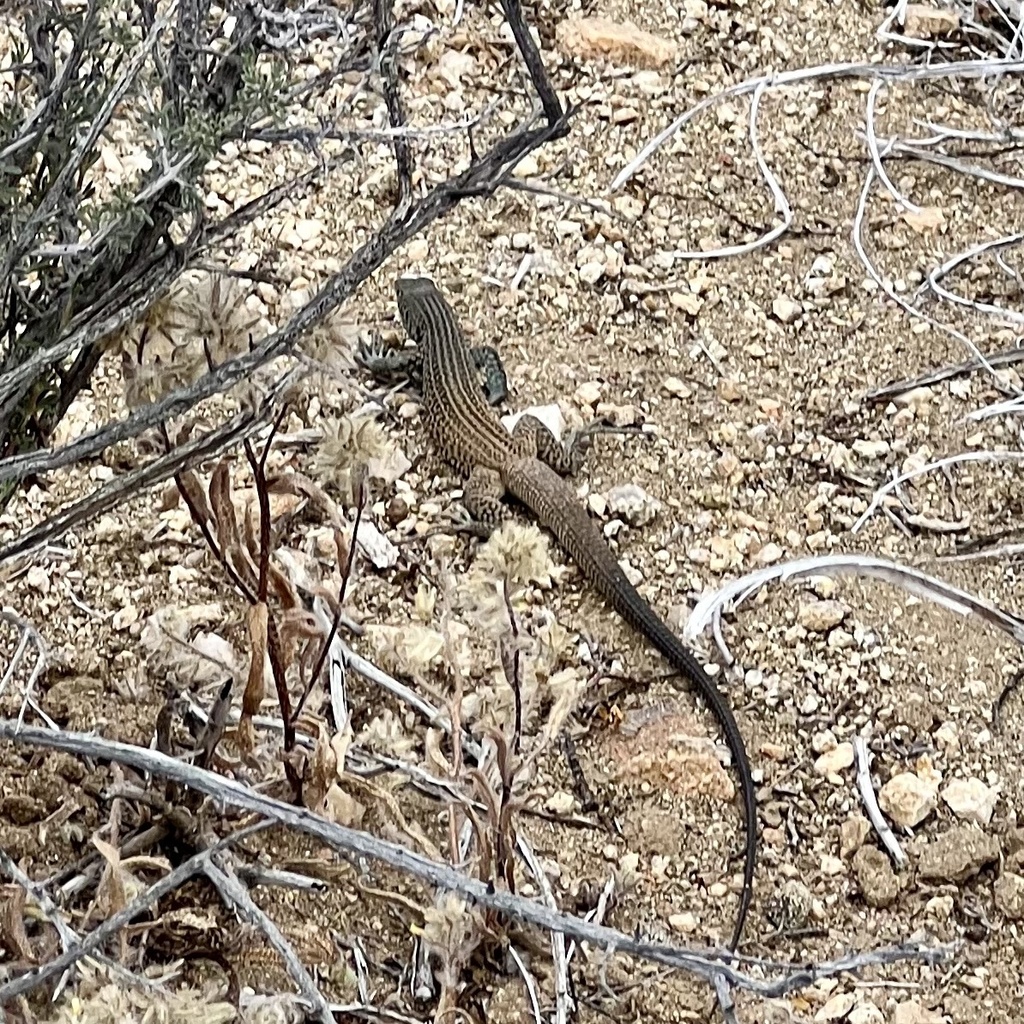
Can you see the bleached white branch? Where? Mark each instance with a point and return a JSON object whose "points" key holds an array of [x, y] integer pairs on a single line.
{"points": [[915, 582]]}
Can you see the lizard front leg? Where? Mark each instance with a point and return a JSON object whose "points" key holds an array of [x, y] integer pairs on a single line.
{"points": [[388, 365], [488, 363]]}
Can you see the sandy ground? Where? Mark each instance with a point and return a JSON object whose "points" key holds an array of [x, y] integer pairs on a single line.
{"points": [[749, 375]]}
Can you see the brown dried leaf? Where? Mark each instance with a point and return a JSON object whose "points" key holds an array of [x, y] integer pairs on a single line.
{"points": [[340, 742], [283, 505], [189, 483], [13, 936], [255, 684], [296, 628], [280, 586], [320, 771], [226, 524], [112, 892], [341, 545], [300, 484], [434, 753]]}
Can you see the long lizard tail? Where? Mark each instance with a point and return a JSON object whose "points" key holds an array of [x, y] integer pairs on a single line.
{"points": [[541, 489]]}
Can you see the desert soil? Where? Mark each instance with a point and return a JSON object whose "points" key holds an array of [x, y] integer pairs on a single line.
{"points": [[748, 375]]}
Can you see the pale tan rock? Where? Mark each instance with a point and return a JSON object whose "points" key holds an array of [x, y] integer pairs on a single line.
{"points": [[1009, 895], [684, 924], [940, 907], [907, 799], [838, 1007], [620, 42], [834, 761], [866, 1013], [676, 387], [785, 309], [923, 21], [957, 855], [820, 616], [876, 877], [588, 393], [852, 834], [971, 800], [912, 1012], [633, 504]]}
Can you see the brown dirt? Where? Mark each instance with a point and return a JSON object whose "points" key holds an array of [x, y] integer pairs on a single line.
{"points": [[758, 447]]}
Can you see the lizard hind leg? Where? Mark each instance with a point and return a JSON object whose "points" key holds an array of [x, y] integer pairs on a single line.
{"points": [[482, 496], [565, 458]]}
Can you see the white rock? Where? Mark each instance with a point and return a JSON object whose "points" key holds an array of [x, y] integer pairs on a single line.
{"points": [[125, 617], [947, 737], [588, 393], [838, 1007], [940, 907], [591, 273], [38, 579], [832, 762], [971, 799], [822, 266], [809, 704], [820, 616], [677, 388], [633, 504], [912, 1012], [866, 1013], [307, 229], [527, 167], [785, 309], [560, 802], [629, 863], [822, 741], [871, 449], [726, 113], [549, 415], [831, 865], [908, 799], [650, 82], [378, 548], [684, 924]]}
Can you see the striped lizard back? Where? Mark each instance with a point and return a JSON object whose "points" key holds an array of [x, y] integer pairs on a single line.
{"points": [[466, 430]]}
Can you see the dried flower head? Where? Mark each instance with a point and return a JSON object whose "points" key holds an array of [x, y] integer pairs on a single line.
{"points": [[202, 321], [351, 442], [519, 553], [98, 1000], [514, 556], [452, 931]]}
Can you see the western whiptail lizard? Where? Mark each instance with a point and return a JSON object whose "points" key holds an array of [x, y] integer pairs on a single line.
{"points": [[526, 464]]}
